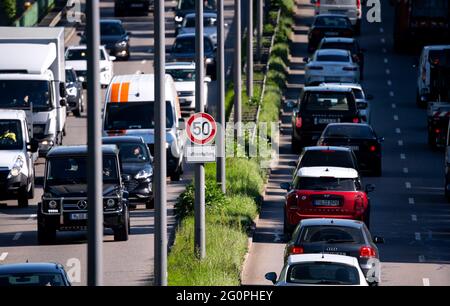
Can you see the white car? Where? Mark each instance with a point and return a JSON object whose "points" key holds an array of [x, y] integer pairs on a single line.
{"points": [[76, 57], [350, 8], [331, 66], [183, 74], [362, 100], [319, 270]]}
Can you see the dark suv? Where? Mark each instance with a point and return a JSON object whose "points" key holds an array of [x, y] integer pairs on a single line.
{"points": [[318, 106], [64, 202]]}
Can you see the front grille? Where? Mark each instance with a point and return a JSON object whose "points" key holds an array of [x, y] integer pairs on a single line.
{"points": [[131, 185], [38, 131], [185, 93], [72, 205]]}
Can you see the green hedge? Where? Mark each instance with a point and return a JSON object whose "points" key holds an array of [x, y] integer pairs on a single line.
{"points": [[7, 11]]}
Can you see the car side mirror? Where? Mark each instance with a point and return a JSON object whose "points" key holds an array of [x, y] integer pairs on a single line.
{"points": [[126, 177], [378, 239], [271, 276], [370, 188], [291, 103], [381, 139], [286, 186], [181, 124], [63, 102], [62, 89], [33, 146], [112, 58], [306, 59]]}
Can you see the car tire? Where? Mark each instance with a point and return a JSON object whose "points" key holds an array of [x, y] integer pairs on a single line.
{"points": [[150, 204], [121, 233], [22, 198], [77, 112]]}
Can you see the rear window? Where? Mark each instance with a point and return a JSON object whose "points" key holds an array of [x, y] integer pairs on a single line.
{"points": [[348, 131], [332, 58], [323, 273], [325, 183], [331, 234], [326, 101], [440, 57], [327, 158], [339, 45], [80, 55], [332, 21], [32, 279], [187, 45], [358, 93]]}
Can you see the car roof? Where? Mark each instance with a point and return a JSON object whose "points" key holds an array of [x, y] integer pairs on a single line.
{"points": [[436, 47], [81, 47], [80, 150], [347, 40], [335, 172], [331, 15], [324, 148], [205, 14], [332, 52], [122, 139], [29, 267], [15, 114], [330, 221], [110, 21], [190, 35], [320, 257], [329, 88], [180, 65], [343, 85], [349, 124]]}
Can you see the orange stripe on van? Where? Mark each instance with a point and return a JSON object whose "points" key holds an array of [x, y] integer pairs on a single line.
{"points": [[114, 96], [124, 89]]}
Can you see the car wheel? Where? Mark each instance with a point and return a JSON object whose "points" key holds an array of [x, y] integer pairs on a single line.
{"points": [[22, 199], [150, 204], [77, 112], [121, 233]]}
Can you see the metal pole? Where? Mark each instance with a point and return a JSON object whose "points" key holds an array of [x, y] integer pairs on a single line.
{"points": [[199, 237], [94, 129], [220, 140], [250, 49], [160, 258], [237, 67], [260, 9]]}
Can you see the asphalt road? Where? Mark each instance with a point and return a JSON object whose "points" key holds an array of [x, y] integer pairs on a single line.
{"points": [[125, 263], [408, 206]]}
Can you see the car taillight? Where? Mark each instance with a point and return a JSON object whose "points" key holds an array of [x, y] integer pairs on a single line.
{"points": [[437, 131], [373, 148], [355, 120], [317, 3], [367, 252], [349, 68], [314, 67], [296, 250], [358, 4], [298, 122], [348, 33], [359, 204]]}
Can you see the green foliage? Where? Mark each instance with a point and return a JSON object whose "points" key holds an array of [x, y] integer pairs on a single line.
{"points": [[268, 29], [287, 6], [7, 11], [273, 17], [281, 50]]}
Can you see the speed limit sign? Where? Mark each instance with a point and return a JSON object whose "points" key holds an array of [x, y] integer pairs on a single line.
{"points": [[201, 128]]}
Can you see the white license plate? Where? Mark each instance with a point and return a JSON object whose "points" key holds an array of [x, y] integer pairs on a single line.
{"points": [[78, 216], [331, 33], [336, 253], [326, 120], [326, 202]]}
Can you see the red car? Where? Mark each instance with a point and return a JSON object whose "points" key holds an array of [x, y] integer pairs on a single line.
{"points": [[326, 192]]}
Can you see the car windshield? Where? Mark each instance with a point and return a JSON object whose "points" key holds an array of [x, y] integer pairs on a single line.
{"points": [[73, 170], [134, 116], [10, 135], [182, 75], [331, 234], [207, 22], [349, 131], [358, 93], [325, 183], [187, 45], [327, 158], [70, 78], [80, 55], [111, 29], [323, 273], [332, 58], [326, 101], [332, 22], [133, 153], [31, 279], [190, 4], [339, 45], [22, 93]]}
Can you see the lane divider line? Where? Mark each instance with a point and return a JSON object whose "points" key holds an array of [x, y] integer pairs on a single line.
{"points": [[3, 256], [393, 105], [386, 60], [411, 201], [414, 218], [417, 236], [32, 217], [400, 143], [405, 170], [398, 131], [388, 72], [408, 185], [383, 41], [395, 117], [391, 93], [17, 236], [402, 156], [426, 282], [389, 82], [381, 30]]}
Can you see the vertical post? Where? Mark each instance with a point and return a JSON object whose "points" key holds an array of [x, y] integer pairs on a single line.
{"points": [[237, 68], [199, 209], [250, 50], [260, 12], [160, 264], [94, 137], [221, 98]]}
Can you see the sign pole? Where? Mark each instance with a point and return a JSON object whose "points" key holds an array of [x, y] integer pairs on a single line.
{"points": [[220, 165], [260, 13], [237, 69], [199, 207], [250, 50]]}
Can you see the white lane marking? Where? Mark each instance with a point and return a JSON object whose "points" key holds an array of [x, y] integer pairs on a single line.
{"points": [[405, 170], [143, 62], [3, 256], [430, 235], [389, 82], [411, 201], [393, 105], [138, 72], [381, 30], [400, 143], [417, 236], [414, 218], [384, 50], [391, 93], [32, 217], [383, 41], [398, 131], [426, 282], [17, 236], [395, 117], [386, 60], [388, 71], [408, 185], [278, 236], [421, 258], [402, 156]]}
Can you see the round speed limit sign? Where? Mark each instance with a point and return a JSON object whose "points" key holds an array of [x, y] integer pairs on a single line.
{"points": [[201, 128]]}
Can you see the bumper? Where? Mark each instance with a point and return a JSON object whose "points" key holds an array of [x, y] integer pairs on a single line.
{"points": [[11, 187], [294, 217], [64, 222], [140, 191], [371, 268], [311, 79], [119, 52], [187, 102]]}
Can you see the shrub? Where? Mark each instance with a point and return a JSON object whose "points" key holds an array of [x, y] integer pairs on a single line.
{"points": [[244, 177], [281, 50], [287, 6], [7, 11], [277, 64], [273, 17], [268, 29]]}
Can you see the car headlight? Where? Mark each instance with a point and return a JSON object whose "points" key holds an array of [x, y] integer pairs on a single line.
{"points": [[121, 44], [178, 18], [81, 79], [71, 91], [47, 142], [209, 60], [52, 204], [16, 168], [110, 203], [145, 173]]}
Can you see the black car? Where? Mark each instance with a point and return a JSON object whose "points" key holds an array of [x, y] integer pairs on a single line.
{"points": [[340, 237], [183, 50], [127, 7], [115, 38], [328, 25], [33, 275], [185, 7], [361, 138], [137, 162], [74, 89], [319, 106], [325, 156], [64, 205], [345, 43]]}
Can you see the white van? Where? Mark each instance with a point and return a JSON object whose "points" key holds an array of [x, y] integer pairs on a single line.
{"points": [[17, 156], [350, 8], [129, 110]]}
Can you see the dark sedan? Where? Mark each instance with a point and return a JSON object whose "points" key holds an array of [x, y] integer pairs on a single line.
{"points": [[328, 25], [341, 237], [361, 138], [33, 274]]}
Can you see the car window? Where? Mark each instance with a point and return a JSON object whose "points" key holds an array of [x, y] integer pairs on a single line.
{"points": [[207, 22], [349, 131], [133, 153], [332, 58], [70, 76], [331, 234], [111, 29], [31, 279], [359, 94], [322, 273], [339, 45], [327, 158], [182, 75], [10, 135], [325, 101], [187, 45], [332, 21], [190, 4], [80, 55], [324, 183]]}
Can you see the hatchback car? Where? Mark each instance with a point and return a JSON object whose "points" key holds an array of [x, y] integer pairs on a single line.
{"points": [[328, 25], [340, 237], [33, 275]]}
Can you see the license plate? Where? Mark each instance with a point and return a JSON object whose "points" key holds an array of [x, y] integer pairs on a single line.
{"points": [[338, 12], [323, 202], [331, 33], [354, 148], [137, 5], [78, 216], [326, 120], [336, 253]]}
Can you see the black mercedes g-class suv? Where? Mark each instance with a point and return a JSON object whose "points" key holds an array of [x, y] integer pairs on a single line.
{"points": [[64, 202]]}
